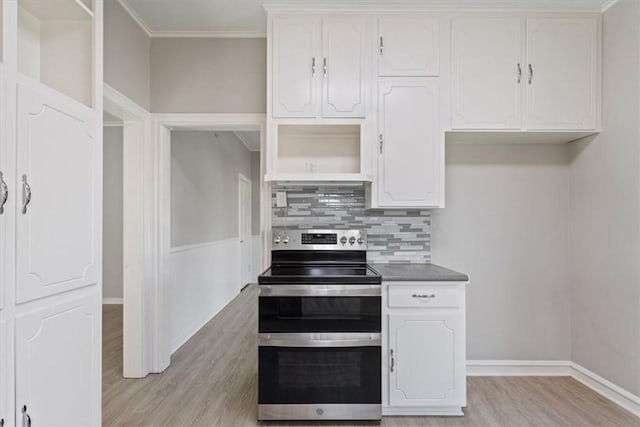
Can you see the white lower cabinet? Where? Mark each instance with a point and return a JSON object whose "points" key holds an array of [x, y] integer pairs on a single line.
{"points": [[424, 362]]}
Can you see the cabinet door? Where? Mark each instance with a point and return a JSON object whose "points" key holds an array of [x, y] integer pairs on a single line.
{"points": [[409, 47], [297, 67], [427, 361], [411, 160], [563, 89], [58, 364], [488, 73], [344, 63], [59, 190]]}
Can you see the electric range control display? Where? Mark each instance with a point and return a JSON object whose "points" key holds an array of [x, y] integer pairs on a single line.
{"points": [[319, 239]]}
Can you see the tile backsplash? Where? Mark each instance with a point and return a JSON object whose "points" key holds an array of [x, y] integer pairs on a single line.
{"points": [[393, 235]]}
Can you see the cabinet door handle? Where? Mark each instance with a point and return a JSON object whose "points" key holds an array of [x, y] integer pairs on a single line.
{"points": [[1, 422], [313, 66], [26, 194], [530, 73], [4, 195], [381, 142], [423, 296], [393, 361], [26, 418], [324, 67], [381, 50], [519, 73]]}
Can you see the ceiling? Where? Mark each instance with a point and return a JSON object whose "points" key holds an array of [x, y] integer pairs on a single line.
{"points": [[246, 18], [251, 139]]}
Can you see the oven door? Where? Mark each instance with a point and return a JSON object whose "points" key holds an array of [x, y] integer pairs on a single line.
{"points": [[320, 308], [319, 376]]}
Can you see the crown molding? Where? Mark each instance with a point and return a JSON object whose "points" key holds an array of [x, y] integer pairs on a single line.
{"points": [[209, 34], [125, 5]]}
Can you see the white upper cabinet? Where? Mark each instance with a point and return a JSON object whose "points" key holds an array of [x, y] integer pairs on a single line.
{"points": [[296, 66], [409, 47], [562, 73], [411, 143], [488, 73], [343, 67], [319, 67], [513, 73], [58, 191]]}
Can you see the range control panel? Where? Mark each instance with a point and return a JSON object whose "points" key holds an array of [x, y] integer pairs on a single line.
{"points": [[287, 239]]}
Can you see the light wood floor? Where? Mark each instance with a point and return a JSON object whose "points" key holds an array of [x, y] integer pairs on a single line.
{"points": [[212, 382]]}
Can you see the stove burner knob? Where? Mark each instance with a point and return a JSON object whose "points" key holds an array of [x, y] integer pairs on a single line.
{"points": [[352, 240], [276, 240], [285, 240], [360, 240], [343, 240]]}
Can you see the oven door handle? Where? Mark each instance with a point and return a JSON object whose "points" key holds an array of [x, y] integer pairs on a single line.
{"points": [[320, 340], [320, 290]]}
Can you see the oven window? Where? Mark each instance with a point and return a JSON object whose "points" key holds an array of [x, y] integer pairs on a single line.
{"points": [[296, 375], [320, 314]]}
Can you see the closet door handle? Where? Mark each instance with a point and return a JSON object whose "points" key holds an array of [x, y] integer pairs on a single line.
{"points": [[4, 195], [519, 73], [26, 418], [381, 49], [393, 361], [381, 142], [26, 194], [313, 66], [324, 67], [530, 73]]}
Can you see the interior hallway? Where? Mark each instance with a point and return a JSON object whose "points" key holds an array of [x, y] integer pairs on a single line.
{"points": [[212, 381]]}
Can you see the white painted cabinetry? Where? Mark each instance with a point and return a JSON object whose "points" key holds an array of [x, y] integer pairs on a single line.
{"points": [[517, 73], [50, 243], [424, 349], [410, 143], [409, 46], [319, 67]]}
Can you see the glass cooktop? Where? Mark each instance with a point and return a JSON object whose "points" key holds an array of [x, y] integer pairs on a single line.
{"points": [[320, 274]]}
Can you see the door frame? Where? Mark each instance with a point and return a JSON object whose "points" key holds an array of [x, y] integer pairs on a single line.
{"points": [[163, 124], [243, 178], [138, 231]]}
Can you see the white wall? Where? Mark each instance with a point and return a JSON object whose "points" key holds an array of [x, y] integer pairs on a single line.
{"points": [[112, 214], [605, 215], [205, 248], [126, 55], [208, 75], [505, 224]]}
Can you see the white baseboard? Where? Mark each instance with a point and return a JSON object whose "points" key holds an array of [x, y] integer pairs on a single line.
{"points": [[107, 301], [564, 368]]}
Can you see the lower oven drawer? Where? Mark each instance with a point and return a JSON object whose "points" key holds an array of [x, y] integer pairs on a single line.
{"points": [[319, 375]]}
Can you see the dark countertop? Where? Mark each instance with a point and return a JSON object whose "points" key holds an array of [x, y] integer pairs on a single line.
{"points": [[418, 273]]}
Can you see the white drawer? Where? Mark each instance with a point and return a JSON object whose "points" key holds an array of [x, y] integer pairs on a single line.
{"points": [[423, 296]]}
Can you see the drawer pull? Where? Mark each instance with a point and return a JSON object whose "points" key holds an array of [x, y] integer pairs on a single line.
{"points": [[423, 296]]}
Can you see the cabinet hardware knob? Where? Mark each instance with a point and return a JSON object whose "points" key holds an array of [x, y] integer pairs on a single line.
{"points": [[313, 66], [423, 296], [393, 361], [26, 194], [324, 67], [381, 50], [530, 73], [4, 195], [519, 73]]}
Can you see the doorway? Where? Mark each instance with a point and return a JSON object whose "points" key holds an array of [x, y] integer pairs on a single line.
{"points": [[244, 229]]}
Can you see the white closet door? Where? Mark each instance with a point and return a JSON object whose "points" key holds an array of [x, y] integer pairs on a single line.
{"points": [[344, 63], [297, 67], [411, 147], [488, 73], [58, 365], [58, 186], [409, 47], [563, 92]]}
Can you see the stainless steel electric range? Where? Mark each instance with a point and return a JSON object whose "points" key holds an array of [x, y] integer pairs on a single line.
{"points": [[319, 328]]}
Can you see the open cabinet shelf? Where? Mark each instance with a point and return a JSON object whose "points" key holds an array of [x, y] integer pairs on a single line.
{"points": [[318, 152], [55, 45]]}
